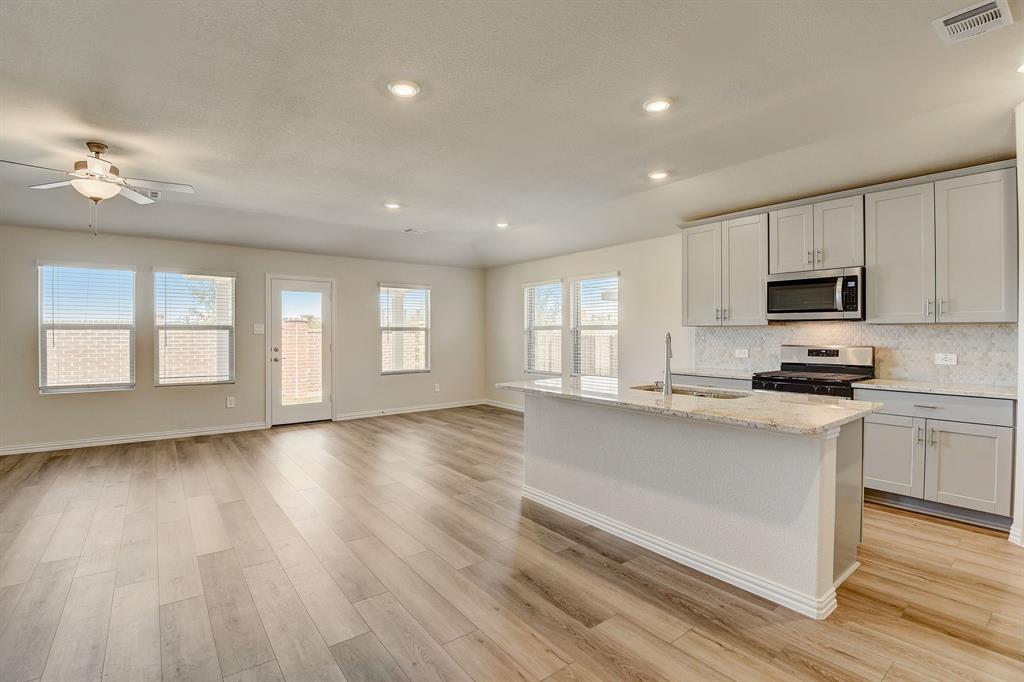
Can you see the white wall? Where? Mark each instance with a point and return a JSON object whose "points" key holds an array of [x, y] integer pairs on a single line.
{"points": [[28, 418], [649, 306], [1017, 530]]}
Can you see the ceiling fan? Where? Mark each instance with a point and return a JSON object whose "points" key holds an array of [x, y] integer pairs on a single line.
{"points": [[97, 179]]}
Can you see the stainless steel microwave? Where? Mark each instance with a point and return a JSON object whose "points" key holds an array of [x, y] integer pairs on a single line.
{"points": [[817, 295]]}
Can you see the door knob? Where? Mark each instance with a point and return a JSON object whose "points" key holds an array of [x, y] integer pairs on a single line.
{"points": [[276, 360], [275, 349]]}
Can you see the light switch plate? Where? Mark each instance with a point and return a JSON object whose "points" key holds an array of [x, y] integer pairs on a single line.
{"points": [[945, 358], [741, 353], [258, 329]]}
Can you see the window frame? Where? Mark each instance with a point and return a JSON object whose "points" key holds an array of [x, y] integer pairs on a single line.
{"points": [[575, 328], [428, 359], [42, 326], [527, 328], [231, 330]]}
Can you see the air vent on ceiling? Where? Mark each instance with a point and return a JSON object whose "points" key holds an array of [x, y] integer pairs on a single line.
{"points": [[972, 21]]}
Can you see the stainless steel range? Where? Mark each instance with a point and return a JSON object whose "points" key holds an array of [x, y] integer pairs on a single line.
{"points": [[819, 370]]}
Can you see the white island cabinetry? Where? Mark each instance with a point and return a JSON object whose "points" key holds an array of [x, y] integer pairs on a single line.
{"points": [[759, 489]]}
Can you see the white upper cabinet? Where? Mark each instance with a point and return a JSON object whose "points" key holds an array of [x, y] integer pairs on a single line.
{"points": [[976, 248], [744, 274], [821, 236], [791, 240], [943, 251], [899, 249], [702, 275], [725, 272], [839, 233]]}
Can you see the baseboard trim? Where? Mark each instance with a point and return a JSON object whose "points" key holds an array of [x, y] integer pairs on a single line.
{"points": [[131, 438], [1017, 535], [504, 406], [403, 410], [818, 608]]}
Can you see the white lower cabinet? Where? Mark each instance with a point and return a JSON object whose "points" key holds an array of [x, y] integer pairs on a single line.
{"points": [[958, 463], [894, 452], [969, 465]]}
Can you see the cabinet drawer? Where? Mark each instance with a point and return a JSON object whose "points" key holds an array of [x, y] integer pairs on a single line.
{"points": [[713, 382], [948, 407]]}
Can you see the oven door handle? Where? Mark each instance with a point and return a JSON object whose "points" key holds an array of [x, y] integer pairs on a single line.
{"points": [[839, 294]]}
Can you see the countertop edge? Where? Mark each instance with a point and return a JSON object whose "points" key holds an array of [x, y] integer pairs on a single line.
{"points": [[615, 403], [924, 387]]}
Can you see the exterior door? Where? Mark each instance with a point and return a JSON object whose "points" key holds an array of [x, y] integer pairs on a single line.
{"points": [[899, 226], [976, 248], [791, 240], [894, 453], [744, 251], [702, 276], [839, 233], [300, 351], [969, 465]]}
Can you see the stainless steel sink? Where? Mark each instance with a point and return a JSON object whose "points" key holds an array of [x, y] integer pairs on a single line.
{"points": [[695, 392]]}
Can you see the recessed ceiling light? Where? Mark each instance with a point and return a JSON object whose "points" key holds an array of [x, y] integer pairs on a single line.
{"points": [[656, 105], [658, 175], [501, 226], [392, 205], [1020, 69], [404, 89]]}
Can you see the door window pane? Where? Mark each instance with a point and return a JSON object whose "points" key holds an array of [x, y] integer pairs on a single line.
{"points": [[301, 347]]}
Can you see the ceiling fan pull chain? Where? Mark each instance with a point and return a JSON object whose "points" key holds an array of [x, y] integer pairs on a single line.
{"points": [[94, 210]]}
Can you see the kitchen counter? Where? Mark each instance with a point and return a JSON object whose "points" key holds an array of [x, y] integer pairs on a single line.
{"points": [[969, 390], [744, 374], [763, 491], [804, 415]]}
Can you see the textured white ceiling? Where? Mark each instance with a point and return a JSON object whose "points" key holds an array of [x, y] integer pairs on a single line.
{"points": [[277, 113]]}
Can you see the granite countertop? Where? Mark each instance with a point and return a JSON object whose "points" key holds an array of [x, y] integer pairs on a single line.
{"points": [[794, 413], [970, 390], [719, 373]]}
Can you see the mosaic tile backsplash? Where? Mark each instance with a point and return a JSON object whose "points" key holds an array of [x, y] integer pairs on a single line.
{"points": [[986, 353]]}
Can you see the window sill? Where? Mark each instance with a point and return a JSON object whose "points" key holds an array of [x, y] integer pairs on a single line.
{"points": [[405, 371], [196, 383], [85, 389], [534, 372]]}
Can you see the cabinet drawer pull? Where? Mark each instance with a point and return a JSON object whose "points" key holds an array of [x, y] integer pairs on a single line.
{"points": [[928, 407]]}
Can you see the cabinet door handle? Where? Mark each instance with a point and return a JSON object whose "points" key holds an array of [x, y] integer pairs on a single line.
{"points": [[808, 256], [718, 313], [725, 313], [931, 436], [942, 306], [821, 255], [930, 303], [920, 434]]}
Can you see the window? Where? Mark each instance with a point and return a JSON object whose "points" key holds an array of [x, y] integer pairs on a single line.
{"points": [[86, 328], [404, 328], [542, 316], [595, 326], [194, 320]]}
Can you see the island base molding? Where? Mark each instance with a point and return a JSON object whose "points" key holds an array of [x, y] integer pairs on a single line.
{"points": [[804, 604]]}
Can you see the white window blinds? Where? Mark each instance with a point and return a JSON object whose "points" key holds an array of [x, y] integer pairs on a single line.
{"points": [[595, 326], [194, 317], [404, 328], [86, 328], [542, 317]]}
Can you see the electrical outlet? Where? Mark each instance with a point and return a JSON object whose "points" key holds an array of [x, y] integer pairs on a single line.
{"points": [[258, 329], [437, 388], [945, 358], [741, 353], [231, 401]]}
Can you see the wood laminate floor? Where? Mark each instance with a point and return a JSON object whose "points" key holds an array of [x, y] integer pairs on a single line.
{"points": [[398, 548]]}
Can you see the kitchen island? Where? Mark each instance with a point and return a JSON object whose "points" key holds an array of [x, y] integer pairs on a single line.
{"points": [[760, 489]]}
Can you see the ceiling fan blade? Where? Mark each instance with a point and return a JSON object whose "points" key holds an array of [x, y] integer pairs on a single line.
{"points": [[162, 186], [29, 165], [129, 193], [51, 185]]}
